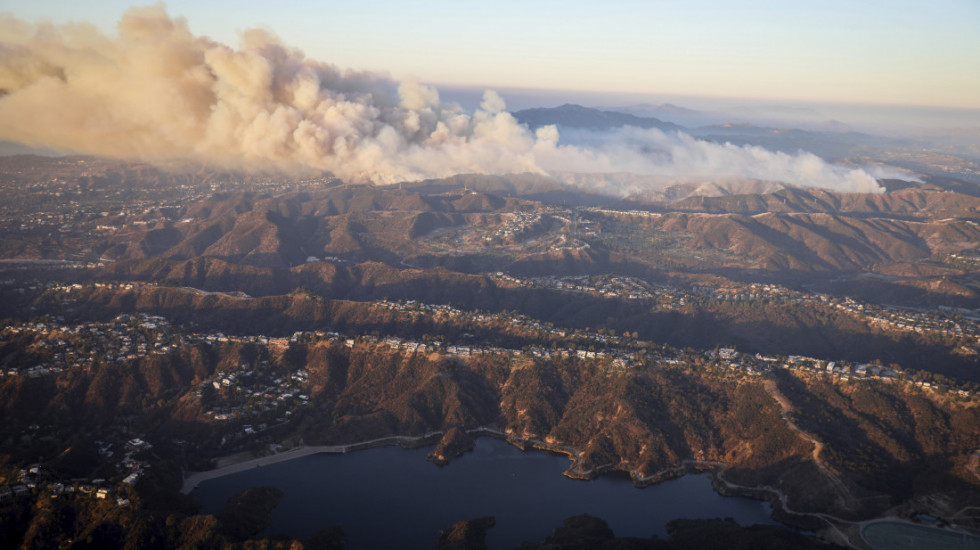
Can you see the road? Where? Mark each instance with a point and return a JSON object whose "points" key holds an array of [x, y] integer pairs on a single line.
{"points": [[786, 415], [193, 479]]}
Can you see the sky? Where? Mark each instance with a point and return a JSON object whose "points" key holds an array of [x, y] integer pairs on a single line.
{"points": [[893, 52]]}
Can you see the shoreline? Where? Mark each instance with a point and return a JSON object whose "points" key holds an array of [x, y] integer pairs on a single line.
{"points": [[947, 530], [776, 498], [233, 466], [193, 479]]}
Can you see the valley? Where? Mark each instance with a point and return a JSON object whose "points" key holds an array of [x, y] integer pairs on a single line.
{"points": [[818, 350]]}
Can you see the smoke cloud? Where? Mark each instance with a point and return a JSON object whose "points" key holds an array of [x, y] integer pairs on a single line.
{"points": [[682, 157], [157, 92]]}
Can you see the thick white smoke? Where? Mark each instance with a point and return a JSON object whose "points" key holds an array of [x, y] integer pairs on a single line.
{"points": [[678, 155], [157, 92]]}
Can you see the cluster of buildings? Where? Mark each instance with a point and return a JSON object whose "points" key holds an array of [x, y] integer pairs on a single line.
{"points": [[604, 286], [936, 322], [621, 352], [131, 337], [58, 346], [259, 390], [616, 358], [939, 322], [519, 227], [748, 293], [515, 226], [40, 201], [968, 259], [130, 467]]}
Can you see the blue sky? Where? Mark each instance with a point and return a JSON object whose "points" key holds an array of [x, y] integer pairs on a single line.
{"points": [[878, 52]]}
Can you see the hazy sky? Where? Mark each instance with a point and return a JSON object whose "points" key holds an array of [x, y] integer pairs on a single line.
{"points": [[866, 51]]}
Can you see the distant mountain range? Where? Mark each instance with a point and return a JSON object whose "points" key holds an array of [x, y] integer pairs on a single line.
{"points": [[670, 113], [830, 140], [650, 109], [577, 116]]}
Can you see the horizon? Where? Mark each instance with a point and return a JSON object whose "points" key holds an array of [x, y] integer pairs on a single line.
{"points": [[882, 117], [157, 89], [878, 54]]}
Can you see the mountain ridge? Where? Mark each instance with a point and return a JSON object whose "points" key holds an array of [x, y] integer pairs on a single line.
{"points": [[576, 116]]}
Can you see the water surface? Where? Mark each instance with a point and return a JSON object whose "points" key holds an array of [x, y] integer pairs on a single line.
{"points": [[391, 497], [898, 535]]}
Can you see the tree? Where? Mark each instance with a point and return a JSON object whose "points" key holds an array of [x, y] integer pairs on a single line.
{"points": [[295, 356], [208, 396]]}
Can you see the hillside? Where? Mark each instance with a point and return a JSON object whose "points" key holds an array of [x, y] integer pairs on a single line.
{"points": [[814, 349]]}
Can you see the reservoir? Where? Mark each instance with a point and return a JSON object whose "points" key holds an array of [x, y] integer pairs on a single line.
{"points": [[899, 535], [390, 497]]}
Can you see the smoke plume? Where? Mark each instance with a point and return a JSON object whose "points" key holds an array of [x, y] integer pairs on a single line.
{"points": [[157, 92], [684, 158]]}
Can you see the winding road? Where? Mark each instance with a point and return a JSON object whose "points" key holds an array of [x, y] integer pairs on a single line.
{"points": [[193, 479], [818, 446]]}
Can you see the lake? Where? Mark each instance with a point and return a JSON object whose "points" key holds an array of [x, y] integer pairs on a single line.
{"points": [[899, 535], [414, 499]]}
